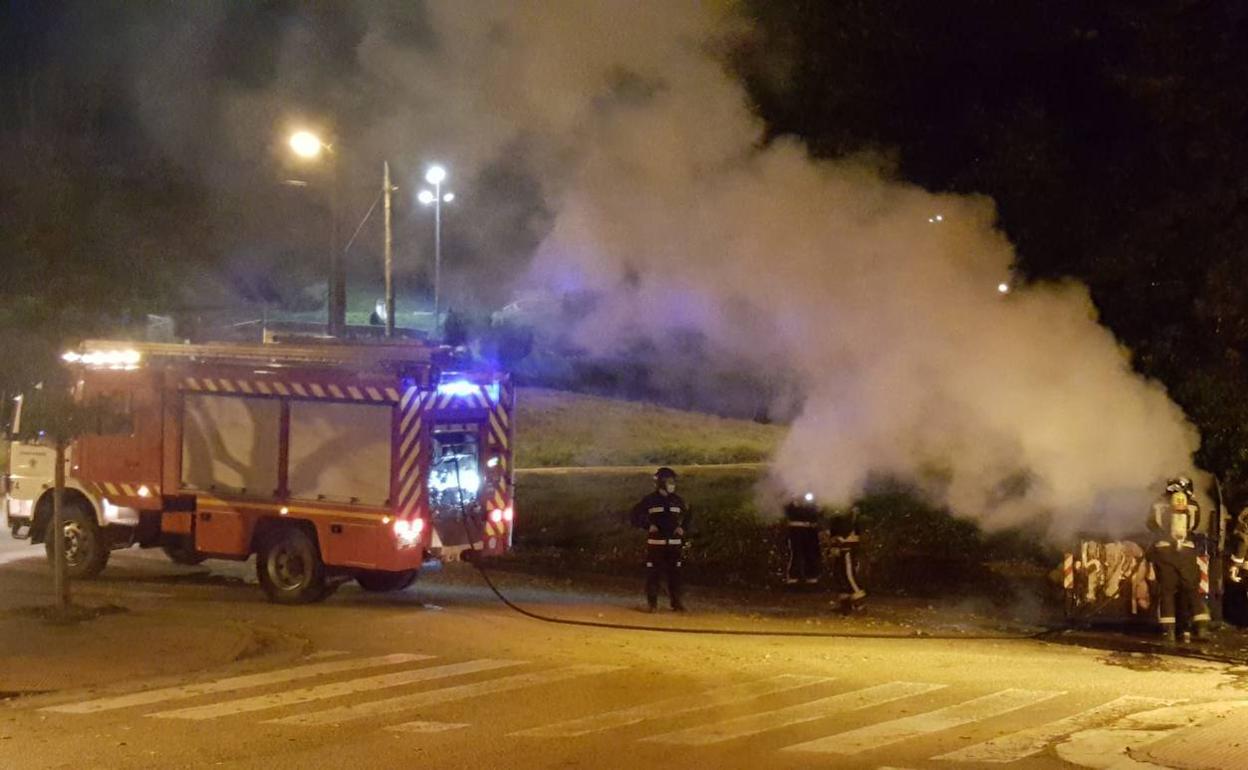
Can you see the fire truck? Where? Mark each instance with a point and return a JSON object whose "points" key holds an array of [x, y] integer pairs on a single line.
{"points": [[328, 461]]}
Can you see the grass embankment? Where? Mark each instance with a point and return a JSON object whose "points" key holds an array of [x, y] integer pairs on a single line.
{"points": [[576, 522], [554, 428]]}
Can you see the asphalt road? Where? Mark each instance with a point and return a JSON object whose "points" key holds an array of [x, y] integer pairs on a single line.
{"points": [[442, 676]]}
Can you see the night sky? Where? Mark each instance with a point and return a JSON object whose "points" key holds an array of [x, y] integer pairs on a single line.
{"points": [[142, 139]]}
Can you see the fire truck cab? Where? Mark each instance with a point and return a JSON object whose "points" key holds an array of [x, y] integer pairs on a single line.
{"points": [[327, 460]]}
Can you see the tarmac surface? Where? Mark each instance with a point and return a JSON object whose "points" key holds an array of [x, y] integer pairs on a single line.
{"points": [[190, 667]]}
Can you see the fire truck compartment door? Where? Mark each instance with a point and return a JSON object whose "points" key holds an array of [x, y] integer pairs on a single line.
{"points": [[340, 452], [455, 481], [122, 443], [231, 444]]}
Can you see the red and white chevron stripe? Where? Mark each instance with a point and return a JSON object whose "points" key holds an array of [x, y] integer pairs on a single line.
{"points": [[314, 390], [411, 475]]}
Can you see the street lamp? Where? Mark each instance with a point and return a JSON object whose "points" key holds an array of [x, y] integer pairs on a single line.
{"points": [[306, 144], [309, 146], [436, 175]]}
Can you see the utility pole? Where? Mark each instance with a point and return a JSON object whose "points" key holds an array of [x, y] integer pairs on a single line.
{"points": [[385, 191], [60, 581], [437, 261], [337, 301]]}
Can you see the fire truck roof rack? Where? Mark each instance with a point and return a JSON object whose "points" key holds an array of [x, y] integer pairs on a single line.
{"points": [[366, 355]]}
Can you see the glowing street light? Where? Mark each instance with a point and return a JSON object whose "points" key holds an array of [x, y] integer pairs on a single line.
{"points": [[306, 144], [436, 175], [1003, 288]]}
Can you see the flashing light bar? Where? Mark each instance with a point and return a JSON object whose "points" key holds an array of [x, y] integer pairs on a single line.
{"points": [[457, 388], [112, 359]]}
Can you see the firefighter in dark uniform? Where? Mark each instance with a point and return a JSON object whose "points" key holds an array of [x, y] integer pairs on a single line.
{"points": [[1236, 601], [801, 517], [845, 536], [1173, 522], [666, 518]]}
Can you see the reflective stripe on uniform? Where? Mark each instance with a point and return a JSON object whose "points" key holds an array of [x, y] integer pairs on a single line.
{"points": [[661, 541], [656, 510], [803, 524]]}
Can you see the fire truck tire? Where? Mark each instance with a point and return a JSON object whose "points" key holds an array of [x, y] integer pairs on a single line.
{"points": [[378, 581], [290, 569], [183, 553], [86, 551]]}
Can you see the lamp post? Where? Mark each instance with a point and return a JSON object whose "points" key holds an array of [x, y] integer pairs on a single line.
{"points": [[436, 175], [309, 146]]}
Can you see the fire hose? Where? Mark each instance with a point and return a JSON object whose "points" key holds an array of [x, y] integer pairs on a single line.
{"points": [[479, 563]]}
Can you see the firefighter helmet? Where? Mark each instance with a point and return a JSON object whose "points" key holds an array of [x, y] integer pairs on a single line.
{"points": [[1181, 484], [664, 474]]}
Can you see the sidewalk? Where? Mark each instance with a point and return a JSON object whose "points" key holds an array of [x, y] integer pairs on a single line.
{"points": [[1220, 742], [115, 646]]}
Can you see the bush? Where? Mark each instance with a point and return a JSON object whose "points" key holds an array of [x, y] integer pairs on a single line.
{"points": [[579, 521]]}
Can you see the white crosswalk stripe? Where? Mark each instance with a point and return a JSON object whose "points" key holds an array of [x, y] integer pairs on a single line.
{"points": [[724, 696], [752, 724], [897, 730], [334, 690], [390, 706], [266, 679], [1024, 743], [428, 727]]}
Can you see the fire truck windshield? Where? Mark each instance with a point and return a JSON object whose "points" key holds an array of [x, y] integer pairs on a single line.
{"points": [[455, 476]]}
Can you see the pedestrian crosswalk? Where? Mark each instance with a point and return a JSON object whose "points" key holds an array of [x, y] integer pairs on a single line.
{"points": [[798, 715]]}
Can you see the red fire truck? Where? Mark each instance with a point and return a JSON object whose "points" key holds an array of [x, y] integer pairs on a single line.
{"points": [[327, 460]]}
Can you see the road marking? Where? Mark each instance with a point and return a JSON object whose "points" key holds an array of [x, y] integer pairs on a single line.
{"points": [[427, 727], [1024, 743], [444, 695], [752, 724], [233, 683], [322, 654], [897, 730], [724, 696], [334, 690], [9, 558]]}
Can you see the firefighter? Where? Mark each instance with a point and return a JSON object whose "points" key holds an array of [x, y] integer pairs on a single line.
{"points": [[665, 517], [1240, 552], [802, 522], [1173, 521], [846, 538], [1234, 599]]}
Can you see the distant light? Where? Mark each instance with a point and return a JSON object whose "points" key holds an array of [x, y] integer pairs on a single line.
{"points": [[425, 196], [447, 198], [458, 388], [1003, 288], [809, 497], [283, 510], [940, 218], [508, 513], [306, 144], [435, 175], [144, 491], [496, 516]]}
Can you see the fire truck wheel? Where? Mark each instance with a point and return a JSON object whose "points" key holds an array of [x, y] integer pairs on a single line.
{"points": [[86, 551], [290, 569], [183, 552], [381, 582]]}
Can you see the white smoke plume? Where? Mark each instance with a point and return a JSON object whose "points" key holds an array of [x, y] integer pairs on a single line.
{"points": [[881, 299]]}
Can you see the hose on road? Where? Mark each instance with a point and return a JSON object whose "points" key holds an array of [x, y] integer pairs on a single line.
{"points": [[485, 575], [477, 562]]}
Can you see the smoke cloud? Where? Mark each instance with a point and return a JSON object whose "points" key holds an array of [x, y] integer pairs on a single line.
{"points": [[657, 194]]}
